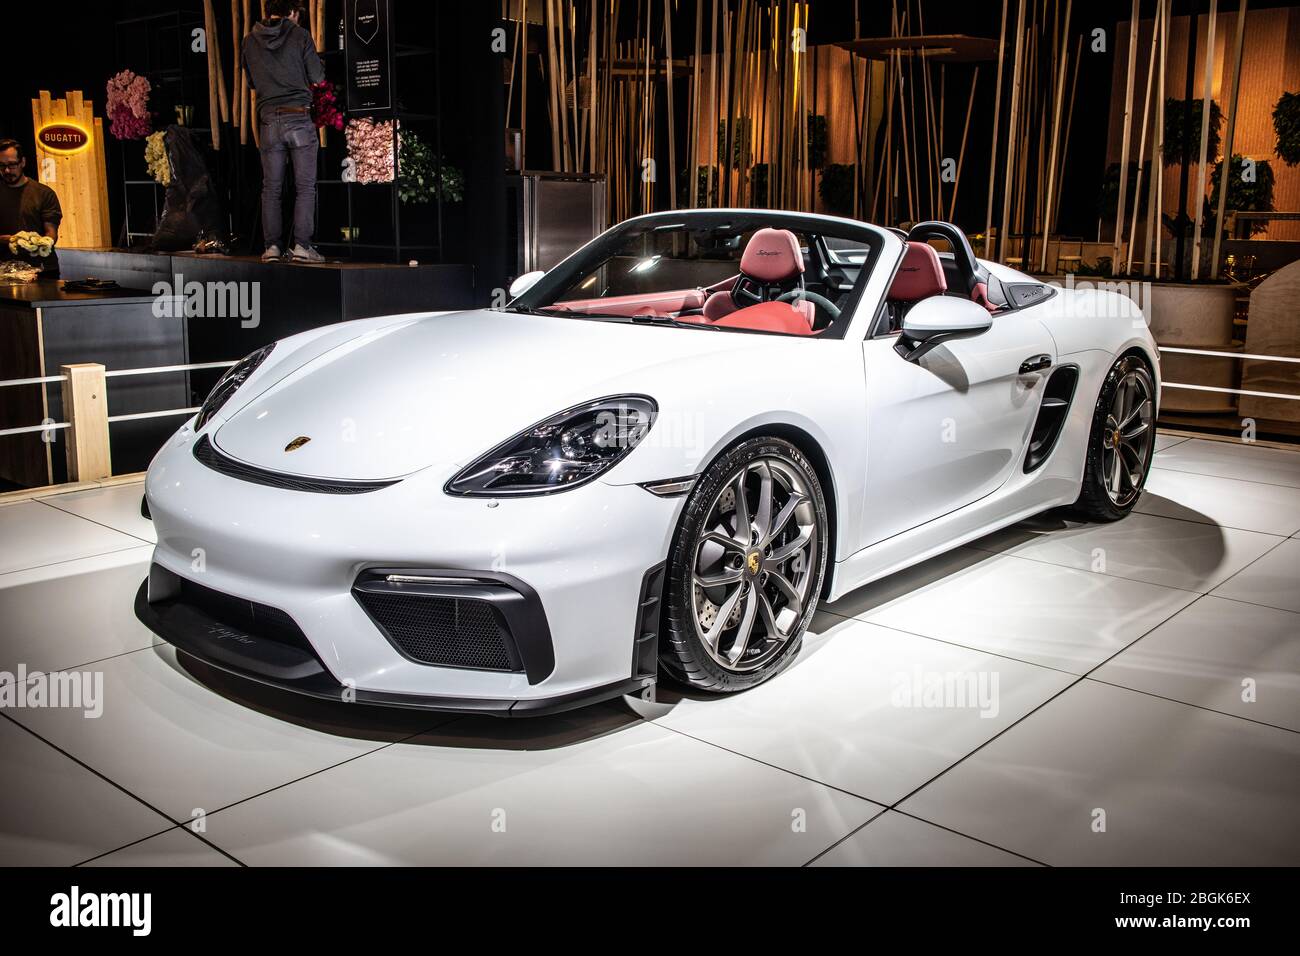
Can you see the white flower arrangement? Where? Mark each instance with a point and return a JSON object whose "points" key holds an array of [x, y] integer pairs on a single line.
{"points": [[33, 244]]}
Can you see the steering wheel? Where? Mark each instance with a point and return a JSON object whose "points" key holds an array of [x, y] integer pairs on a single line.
{"points": [[816, 298], [743, 292]]}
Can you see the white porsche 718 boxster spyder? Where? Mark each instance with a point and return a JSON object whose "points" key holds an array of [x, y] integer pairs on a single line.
{"points": [[655, 460]]}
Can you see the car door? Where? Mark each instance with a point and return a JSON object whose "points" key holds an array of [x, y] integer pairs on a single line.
{"points": [[948, 429]]}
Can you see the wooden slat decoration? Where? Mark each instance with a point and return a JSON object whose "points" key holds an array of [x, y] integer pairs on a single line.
{"points": [[78, 178]]}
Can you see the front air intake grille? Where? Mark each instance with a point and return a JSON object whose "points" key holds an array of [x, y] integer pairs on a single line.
{"points": [[205, 452], [259, 620], [443, 631]]}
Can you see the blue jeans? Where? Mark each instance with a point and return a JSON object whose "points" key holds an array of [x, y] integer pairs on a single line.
{"points": [[288, 137]]}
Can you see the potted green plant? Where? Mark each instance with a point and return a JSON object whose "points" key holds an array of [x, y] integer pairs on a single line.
{"points": [[836, 188], [818, 141], [1108, 197], [1175, 120], [758, 184], [419, 173], [741, 155], [1254, 195], [1286, 123], [703, 195]]}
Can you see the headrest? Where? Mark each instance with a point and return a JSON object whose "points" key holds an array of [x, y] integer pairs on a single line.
{"points": [[772, 255], [920, 275]]}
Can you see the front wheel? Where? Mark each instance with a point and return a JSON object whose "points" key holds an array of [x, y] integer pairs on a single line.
{"points": [[1121, 443], [746, 568]]}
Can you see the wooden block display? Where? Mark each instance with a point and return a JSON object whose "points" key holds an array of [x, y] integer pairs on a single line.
{"points": [[85, 402], [74, 169]]}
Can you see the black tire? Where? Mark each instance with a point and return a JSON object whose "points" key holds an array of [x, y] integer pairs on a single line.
{"points": [[683, 652], [1096, 502]]}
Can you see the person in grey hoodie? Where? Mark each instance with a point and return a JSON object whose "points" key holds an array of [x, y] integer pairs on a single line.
{"points": [[282, 63]]}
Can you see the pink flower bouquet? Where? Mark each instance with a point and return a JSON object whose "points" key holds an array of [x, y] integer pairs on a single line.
{"points": [[127, 106], [325, 105], [370, 149]]}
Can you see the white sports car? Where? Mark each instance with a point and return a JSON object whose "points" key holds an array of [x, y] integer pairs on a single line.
{"points": [[656, 459]]}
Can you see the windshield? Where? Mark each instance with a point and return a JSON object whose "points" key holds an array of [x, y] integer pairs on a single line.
{"points": [[750, 271]]}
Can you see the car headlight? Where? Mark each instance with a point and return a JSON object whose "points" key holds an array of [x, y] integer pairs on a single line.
{"points": [[561, 452], [229, 383]]}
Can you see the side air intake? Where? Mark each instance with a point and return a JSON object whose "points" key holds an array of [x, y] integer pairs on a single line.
{"points": [[1051, 415]]}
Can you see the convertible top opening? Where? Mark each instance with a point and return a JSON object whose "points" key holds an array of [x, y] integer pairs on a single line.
{"points": [[726, 270]]}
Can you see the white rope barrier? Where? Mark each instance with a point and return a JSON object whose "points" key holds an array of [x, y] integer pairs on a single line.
{"points": [[193, 366], [166, 368], [34, 381], [1231, 391], [1238, 355], [27, 429], [136, 416]]}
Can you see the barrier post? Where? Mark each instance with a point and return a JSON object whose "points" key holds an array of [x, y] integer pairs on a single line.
{"points": [[85, 403]]}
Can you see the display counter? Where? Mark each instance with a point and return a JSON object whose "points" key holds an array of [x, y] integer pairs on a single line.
{"points": [[44, 326]]}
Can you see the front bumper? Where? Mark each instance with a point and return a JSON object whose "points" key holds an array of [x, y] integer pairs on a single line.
{"points": [[584, 555], [254, 657]]}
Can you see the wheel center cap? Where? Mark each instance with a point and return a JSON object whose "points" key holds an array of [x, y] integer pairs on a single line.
{"points": [[754, 562]]}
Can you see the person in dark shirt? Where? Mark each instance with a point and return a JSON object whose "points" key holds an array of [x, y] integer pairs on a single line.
{"points": [[282, 63], [26, 206]]}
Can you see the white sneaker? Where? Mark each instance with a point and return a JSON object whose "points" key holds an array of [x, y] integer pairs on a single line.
{"points": [[301, 253], [272, 253]]}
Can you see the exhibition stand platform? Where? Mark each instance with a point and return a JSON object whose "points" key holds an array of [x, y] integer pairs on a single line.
{"points": [[295, 296]]}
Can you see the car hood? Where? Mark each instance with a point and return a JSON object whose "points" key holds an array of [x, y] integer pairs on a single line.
{"points": [[438, 391]]}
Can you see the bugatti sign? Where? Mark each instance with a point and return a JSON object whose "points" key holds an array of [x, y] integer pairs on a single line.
{"points": [[63, 138]]}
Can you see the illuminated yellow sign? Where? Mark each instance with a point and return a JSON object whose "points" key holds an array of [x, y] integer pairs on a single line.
{"points": [[63, 137]]}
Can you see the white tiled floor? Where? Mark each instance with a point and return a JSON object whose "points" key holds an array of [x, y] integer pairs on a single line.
{"points": [[1270, 581], [1144, 675], [34, 534], [1177, 785], [895, 839], [176, 847], [1228, 502]]}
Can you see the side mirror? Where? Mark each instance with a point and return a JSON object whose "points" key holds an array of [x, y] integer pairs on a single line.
{"points": [[939, 319], [524, 283]]}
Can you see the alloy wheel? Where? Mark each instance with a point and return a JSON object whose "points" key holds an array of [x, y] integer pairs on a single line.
{"points": [[1128, 437], [754, 564]]}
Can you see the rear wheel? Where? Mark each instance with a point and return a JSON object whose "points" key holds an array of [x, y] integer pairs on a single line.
{"points": [[1121, 443], [746, 568]]}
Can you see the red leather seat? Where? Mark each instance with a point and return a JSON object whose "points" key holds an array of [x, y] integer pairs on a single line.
{"points": [[771, 256], [919, 276], [791, 318], [719, 305]]}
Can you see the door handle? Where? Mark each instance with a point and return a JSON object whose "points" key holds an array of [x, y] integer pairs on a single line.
{"points": [[1035, 363]]}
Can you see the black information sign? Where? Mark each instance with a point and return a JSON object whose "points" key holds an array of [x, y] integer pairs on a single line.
{"points": [[368, 51]]}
